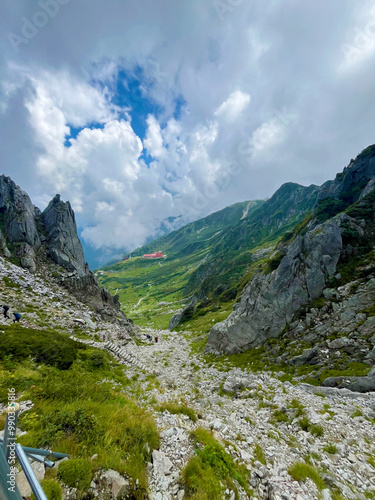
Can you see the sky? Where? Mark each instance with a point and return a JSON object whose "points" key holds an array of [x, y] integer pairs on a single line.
{"points": [[148, 114]]}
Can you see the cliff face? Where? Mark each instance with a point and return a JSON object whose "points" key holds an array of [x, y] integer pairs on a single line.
{"points": [[48, 243], [270, 301], [305, 265], [24, 230], [62, 241]]}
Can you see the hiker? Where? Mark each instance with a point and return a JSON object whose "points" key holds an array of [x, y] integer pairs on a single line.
{"points": [[5, 311], [156, 340], [17, 317]]}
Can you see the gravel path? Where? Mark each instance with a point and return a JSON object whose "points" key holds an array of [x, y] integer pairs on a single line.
{"points": [[244, 410], [240, 408]]}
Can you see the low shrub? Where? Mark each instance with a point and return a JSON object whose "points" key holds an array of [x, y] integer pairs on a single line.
{"points": [[44, 346], [212, 469], [330, 448], [280, 416], [301, 471], [316, 430], [174, 409], [306, 425], [52, 489], [259, 454], [76, 473]]}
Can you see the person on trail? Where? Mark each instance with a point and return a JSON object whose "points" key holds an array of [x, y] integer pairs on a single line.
{"points": [[5, 311], [17, 317], [156, 340]]}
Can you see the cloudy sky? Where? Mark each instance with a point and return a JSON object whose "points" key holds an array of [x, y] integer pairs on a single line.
{"points": [[147, 114]]}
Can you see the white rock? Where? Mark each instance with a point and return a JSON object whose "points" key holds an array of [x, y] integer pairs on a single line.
{"points": [[161, 464], [116, 481]]}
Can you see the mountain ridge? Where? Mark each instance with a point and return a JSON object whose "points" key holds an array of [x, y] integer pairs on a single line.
{"points": [[47, 242]]}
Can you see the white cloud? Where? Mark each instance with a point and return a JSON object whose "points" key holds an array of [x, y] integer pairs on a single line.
{"points": [[232, 108], [67, 77], [153, 141]]}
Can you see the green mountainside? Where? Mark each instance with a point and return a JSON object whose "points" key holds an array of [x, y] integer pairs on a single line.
{"points": [[209, 259]]}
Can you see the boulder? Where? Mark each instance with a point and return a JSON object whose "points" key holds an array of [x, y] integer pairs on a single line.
{"points": [[371, 355], [27, 257], [356, 384], [368, 327], [118, 484], [309, 356], [339, 343], [175, 320], [161, 464]]}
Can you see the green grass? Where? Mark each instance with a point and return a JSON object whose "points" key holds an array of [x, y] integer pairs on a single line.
{"points": [[330, 448], [306, 425], [298, 407], [51, 488], [357, 413], [302, 471], [259, 454], [211, 470], [79, 407], [280, 416], [176, 409]]}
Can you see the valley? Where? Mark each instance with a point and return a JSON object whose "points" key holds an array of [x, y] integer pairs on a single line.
{"points": [[262, 382]]}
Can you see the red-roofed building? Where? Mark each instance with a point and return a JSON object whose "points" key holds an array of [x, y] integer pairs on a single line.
{"points": [[156, 255]]}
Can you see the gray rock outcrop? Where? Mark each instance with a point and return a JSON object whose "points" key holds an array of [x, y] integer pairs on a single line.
{"points": [[49, 241], [19, 233], [356, 384], [360, 173], [3, 246], [62, 240], [269, 302], [24, 230]]}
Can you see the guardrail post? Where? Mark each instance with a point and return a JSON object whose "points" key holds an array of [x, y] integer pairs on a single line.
{"points": [[29, 473]]}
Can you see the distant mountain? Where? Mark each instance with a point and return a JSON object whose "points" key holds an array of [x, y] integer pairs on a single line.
{"points": [[207, 259]]}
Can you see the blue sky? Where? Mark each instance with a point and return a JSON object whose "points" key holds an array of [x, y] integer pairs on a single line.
{"points": [[147, 115]]}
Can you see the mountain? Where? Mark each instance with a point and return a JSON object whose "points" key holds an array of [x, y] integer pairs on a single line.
{"points": [[47, 242], [207, 260], [320, 279], [143, 419]]}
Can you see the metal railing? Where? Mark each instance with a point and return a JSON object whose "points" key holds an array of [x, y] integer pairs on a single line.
{"points": [[10, 451]]}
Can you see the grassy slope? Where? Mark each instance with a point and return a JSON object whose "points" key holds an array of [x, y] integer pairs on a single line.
{"points": [[208, 258], [79, 403], [143, 284]]}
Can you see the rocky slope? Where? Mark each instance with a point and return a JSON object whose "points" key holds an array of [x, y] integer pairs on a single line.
{"points": [[257, 419], [302, 267], [47, 242], [264, 424]]}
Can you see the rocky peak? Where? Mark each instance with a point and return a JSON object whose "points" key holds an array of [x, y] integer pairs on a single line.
{"points": [[61, 235], [47, 242], [349, 183], [17, 214]]}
